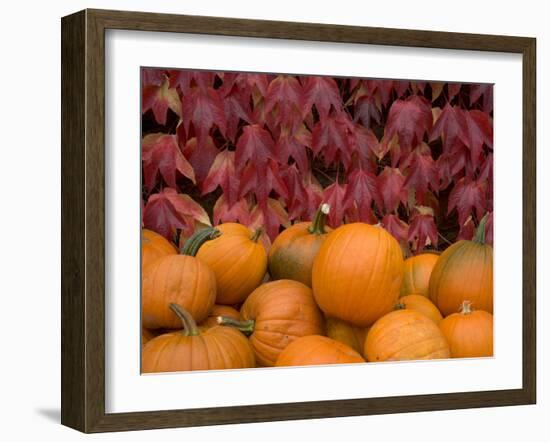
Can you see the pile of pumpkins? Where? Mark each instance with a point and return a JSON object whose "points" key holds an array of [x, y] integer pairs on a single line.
{"points": [[319, 296]]}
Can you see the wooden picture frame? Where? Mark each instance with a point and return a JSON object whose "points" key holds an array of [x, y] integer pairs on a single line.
{"points": [[83, 219]]}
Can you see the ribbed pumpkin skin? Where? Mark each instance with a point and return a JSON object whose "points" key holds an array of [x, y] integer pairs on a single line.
{"points": [[146, 336], [422, 305], [416, 278], [292, 253], [357, 273], [346, 333], [179, 279], [405, 335], [283, 311], [217, 348], [463, 272], [154, 246], [238, 262], [317, 350], [469, 335], [219, 310]]}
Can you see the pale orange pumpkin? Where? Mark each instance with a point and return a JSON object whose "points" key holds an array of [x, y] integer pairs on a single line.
{"points": [[317, 350], [420, 304], [238, 261], [292, 253], [405, 335], [346, 333], [181, 279], [357, 273], [190, 349], [416, 278], [154, 246], [274, 315], [464, 272], [469, 332]]}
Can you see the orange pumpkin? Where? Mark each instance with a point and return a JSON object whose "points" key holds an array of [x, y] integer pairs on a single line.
{"points": [[469, 332], [238, 261], [464, 272], [146, 336], [293, 251], [317, 350], [181, 279], [422, 305], [215, 349], [346, 333], [219, 310], [416, 278], [357, 273], [405, 335], [154, 246], [275, 314]]}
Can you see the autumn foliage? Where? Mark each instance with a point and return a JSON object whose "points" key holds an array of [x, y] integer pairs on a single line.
{"points": [[266, 150]]}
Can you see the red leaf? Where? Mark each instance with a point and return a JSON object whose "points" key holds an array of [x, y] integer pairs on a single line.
{"points": [[159, 99], [422, 231], [186, 80], [295, 146], [397, 227], [334, 195], [168, 210], [452, 125], [485, 90], [161, 154], [223, 212], [262, 181], [422, 174], [465, 197], [479, 130], [323, 93], [362, 190], [409, 119], [237, 108], [255, 145], [286, 97], [365, 144], [201, 156], [270, 216], [366, 110], [152, 77], [383, 87], [454, 89], [391, 183], [223, 174], [449, 165], [467, 230], [204, 108], [334, 139], [297, 195]]}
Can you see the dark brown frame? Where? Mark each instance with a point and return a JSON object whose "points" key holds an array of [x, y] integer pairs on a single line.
{"points": [[83, 215]]}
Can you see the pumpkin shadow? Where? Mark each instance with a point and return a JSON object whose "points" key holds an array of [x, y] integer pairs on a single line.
{"points": [[52, 414]]}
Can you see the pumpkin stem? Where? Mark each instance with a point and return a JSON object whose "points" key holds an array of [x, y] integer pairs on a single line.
{"points": [[256, 235], [318, 224], [480, 231], [247, 327], [400, 306], [195, 241], [466, 308], [189, 325]]}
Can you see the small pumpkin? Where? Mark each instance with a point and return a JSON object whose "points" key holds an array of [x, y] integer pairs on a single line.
{"points": [[420, 304], [293, 251], [317, 350], [190, 349], [357, 273], [416, 278], [274, 315], [219, 310], [469, 332], [464, 272], [238, 261], [154, 246], [346, 333], [405, 335], [181, 279]]}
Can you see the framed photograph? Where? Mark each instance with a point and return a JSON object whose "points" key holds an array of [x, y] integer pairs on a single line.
{"points": [[266, 221]]}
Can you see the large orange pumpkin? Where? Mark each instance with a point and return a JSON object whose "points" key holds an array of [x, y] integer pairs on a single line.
{"points": [[293, 251], [154, 246], [181, 279], [357, 273], [469, 332], [420, 304], [275, 314], [464, 272], [237, 259], [416, 278], [346, 333], [317, 350], [146, 336], [215, 349], [405, 335]]}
